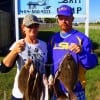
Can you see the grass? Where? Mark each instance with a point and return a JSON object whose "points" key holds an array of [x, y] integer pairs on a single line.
{"points": [[93, 83], [93, 76], [6, 84]]}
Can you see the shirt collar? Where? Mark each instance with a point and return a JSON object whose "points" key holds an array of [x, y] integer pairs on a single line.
{"points": [[67, 34]]}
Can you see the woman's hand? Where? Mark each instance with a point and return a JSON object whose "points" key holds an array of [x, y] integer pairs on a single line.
{"points": [[51, 80], [19, 47], [45, 80]]}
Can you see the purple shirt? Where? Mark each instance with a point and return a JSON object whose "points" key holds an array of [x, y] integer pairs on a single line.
{"points": [[58, 48]]}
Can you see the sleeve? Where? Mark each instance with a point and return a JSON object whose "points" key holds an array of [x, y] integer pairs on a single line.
{"points": [[87, 58], [4, 69]]}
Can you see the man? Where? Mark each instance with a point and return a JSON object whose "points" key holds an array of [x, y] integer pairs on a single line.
{"points": [[75, 42]]}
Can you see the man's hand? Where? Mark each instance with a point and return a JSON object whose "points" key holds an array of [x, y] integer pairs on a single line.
{"points": [[75, 48]]}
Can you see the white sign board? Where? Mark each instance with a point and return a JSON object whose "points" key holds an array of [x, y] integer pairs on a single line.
{"points": [[47, 8]]}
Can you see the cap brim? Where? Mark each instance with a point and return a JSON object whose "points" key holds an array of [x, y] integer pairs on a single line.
{"points": [[63, 14], [32, 23]]}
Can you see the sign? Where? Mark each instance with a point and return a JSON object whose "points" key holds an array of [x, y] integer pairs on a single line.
{"points": [[47, 8]]}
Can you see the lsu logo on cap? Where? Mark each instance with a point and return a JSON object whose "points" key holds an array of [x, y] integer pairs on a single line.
{"points": [[62, 9]]}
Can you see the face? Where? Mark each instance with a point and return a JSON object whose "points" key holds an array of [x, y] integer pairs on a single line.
{"points": [[65, 22], [31, 31]]}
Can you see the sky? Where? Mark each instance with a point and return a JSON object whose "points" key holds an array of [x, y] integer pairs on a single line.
{"points": [[94, 10]]}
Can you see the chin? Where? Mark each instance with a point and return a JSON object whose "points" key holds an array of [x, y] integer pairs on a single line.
{"points": [[65, 28], [32, 36]]}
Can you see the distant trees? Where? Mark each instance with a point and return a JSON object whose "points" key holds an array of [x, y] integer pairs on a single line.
{"points": [[98, 21], [50, 20]]}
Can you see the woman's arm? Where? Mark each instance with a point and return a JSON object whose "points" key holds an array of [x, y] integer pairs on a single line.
{"points": [[11, 57]]}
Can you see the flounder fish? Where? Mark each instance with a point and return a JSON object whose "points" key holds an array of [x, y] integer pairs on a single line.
{"points": [[67, 74], [30, 84]]}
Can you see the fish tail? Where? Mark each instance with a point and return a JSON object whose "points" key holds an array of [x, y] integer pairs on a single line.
{"points": [[72, 96]]}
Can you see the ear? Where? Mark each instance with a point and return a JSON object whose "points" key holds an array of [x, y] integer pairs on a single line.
{"points": [[57, 20], [22, 30]]}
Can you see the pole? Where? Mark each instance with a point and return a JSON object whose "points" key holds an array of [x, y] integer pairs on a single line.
{"points": [[16, 20], [87, 19]]}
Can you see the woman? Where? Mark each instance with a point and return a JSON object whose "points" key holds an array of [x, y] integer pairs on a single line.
{"points": [[23, 49]]}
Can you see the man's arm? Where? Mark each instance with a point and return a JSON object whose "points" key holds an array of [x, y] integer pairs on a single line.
{"points": [[86, 56]]}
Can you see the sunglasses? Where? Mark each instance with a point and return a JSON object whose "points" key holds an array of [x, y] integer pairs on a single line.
{"points": [[33, 26]]}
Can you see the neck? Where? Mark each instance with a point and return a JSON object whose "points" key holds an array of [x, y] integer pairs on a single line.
{"points": [[65, 31], [31, 40]]}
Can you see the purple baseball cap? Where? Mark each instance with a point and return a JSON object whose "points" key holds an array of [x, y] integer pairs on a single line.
{"points": [[65, 10]]}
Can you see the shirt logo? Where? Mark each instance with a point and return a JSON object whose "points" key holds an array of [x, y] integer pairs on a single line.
{"points": [[61, 45]]}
